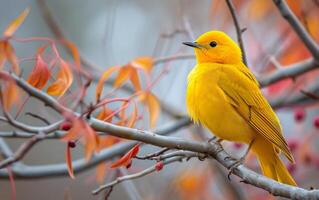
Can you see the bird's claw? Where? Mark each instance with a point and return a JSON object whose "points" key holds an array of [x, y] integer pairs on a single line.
{"points": [[234, 166]]}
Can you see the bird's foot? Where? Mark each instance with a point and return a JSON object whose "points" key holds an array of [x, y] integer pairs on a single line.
{"points": [[234, 166]]}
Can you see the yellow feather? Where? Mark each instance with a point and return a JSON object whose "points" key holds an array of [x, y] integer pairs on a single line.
{"points": [[225, 97]]}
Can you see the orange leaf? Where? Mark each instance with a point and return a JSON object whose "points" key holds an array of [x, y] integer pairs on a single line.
{"points": [[11, 56], [153, 107], [134, 116], [127, 158], [14, 25], [74, 51], [68, 159], [144, 63], [104, 114], [2, 53], [63, 81], [40, 74], [9, 93], [124, 74], [101, 172], [135, 80], [104, 77], [91, 142], [80, 129]]}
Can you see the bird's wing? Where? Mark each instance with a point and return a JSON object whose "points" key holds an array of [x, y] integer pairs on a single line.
{"points": [[243, 93]]}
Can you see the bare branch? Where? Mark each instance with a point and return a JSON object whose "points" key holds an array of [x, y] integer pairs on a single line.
{"points": [[134, 176], [239, 30], [21, 152], [290, 71], [298, 27], [45, 171]]}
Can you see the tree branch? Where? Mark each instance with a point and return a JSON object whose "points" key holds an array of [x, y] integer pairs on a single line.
{"points": [[239, 30], [135, 176], [298, 27]]}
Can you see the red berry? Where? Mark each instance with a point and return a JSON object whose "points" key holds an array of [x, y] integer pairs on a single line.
{"points": [[293, 144], [316, 121], [238, 145], [299, 114], [159, 166], [71, 144], [65, 126]]}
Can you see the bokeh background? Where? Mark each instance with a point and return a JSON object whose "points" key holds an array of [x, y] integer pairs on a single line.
{"points": [[114, 32]]}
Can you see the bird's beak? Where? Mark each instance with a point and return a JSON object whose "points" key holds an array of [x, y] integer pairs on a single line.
{"points": [[193, 44]]}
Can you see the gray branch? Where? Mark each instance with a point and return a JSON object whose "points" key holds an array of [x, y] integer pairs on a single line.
{"points": [[298, 27]]}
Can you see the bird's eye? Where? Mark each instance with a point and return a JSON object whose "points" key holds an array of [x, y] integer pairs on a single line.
{"points": [[213, 44]]}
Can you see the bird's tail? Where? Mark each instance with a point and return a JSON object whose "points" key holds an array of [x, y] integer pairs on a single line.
{"points": [[270, 163]]}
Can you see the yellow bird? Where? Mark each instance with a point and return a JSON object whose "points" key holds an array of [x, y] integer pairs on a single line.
{"points": [[225, 97]]}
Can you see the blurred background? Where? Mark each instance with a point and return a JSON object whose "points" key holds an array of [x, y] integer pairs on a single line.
{"points": [[114, 32]]}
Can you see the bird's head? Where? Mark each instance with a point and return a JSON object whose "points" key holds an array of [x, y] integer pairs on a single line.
{"points": [[216, 47]]}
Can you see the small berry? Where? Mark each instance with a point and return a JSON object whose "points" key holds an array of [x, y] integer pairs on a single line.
{"points": [[159, 166], [316, 121], [65, 126], [299, 114], [238, 145], [71, 144], [293, 144]]}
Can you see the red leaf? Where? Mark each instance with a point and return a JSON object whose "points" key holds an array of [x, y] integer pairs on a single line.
{"points": [[127, 158], [40, 74], [68, 160], [14, 25]]}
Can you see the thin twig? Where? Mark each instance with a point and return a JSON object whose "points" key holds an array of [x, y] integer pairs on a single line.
{"points": [[134, 176], [298, 27], [21, 152], [239, 30]]}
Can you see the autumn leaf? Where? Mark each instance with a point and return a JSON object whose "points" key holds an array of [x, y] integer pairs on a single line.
{"points": [[81, 130], [105, 114], [2, 53], [103, 78], [101, 172], [9, 93], [126, 160], [63, 81], [153, 106], [133, 117], [135, 80], [123, 75], [40, 74], [144, 63], [74, 51], [7, 53], [14, 25], [68, 159]]}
